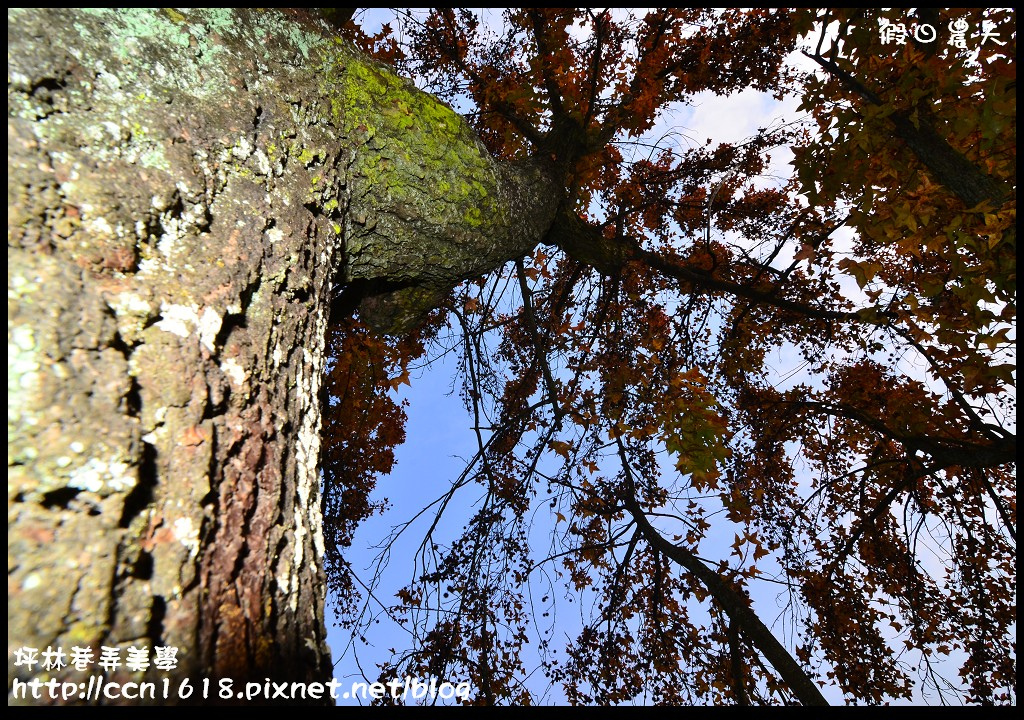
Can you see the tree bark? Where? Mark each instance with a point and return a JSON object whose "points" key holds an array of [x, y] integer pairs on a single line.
{"points": [[187, 191]]}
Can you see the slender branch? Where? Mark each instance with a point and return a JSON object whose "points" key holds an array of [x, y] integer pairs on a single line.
{"points": [[505, 109], [958, 396], [540, 350], [544, 51], [736, 658], [596, 62]]}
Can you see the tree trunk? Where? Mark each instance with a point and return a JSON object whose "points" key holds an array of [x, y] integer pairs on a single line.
{"points": [[185, 190]]}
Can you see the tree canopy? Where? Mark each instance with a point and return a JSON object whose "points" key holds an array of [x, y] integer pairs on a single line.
{"points": [[622, 379]]}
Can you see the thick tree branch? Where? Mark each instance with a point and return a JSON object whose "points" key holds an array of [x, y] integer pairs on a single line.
{"points": [[735, 603], [587, 244], [945, 451], [948, 166]]}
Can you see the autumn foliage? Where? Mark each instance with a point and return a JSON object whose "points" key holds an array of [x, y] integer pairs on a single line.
{"points": [[624, 379]]}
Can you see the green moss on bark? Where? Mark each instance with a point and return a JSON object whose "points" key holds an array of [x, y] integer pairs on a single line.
{"points": [[421, 145]]}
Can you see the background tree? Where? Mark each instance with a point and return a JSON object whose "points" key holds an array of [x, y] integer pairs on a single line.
{"points": [[877, 486]]}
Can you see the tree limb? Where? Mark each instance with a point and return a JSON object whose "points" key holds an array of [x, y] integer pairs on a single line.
{"points": [[735, 603]]}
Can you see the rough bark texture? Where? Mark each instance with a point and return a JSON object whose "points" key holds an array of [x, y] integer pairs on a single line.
{"points": [[184, 190]]}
